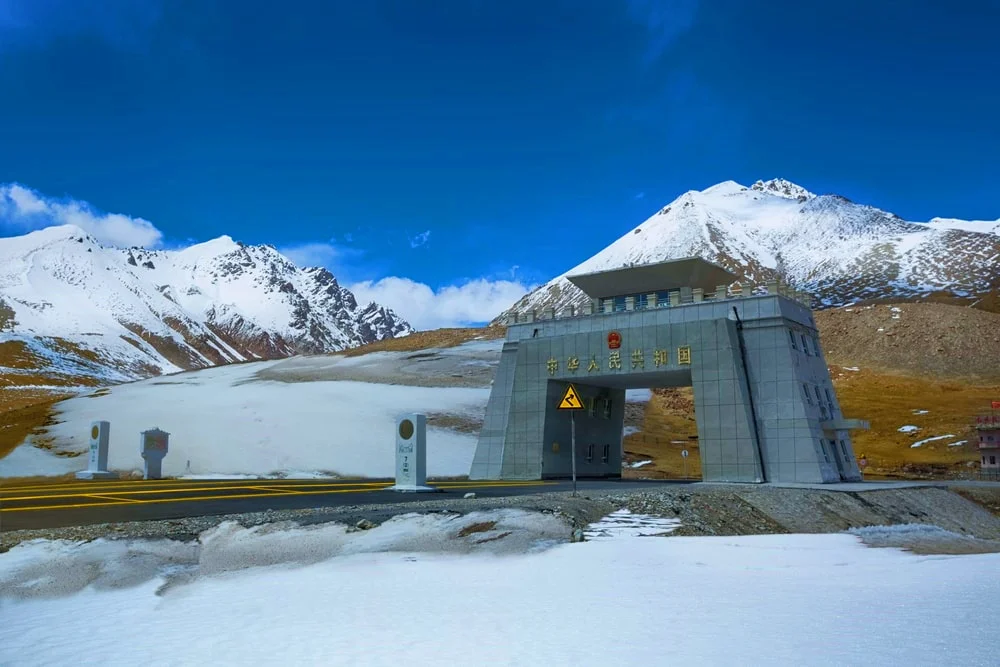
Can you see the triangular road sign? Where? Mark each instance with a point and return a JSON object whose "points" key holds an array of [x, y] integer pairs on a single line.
{"points": [[571, 400]]}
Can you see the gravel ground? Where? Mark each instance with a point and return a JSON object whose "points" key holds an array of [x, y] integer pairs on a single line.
{"points": [[702, 510]]}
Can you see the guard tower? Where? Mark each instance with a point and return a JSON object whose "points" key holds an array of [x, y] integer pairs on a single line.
{"points": [[763, 398]]}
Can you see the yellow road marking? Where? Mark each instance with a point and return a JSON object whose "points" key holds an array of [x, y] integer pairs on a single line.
{"points": [[140, 488], [94, 495], [151, 491], [173, 500], [273, 491], [268, 493]]}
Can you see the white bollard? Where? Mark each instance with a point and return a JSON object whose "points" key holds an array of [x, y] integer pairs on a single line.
{"points": [[97, 463], [411, 454]]}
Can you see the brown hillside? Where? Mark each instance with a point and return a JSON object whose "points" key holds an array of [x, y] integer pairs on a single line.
{"points": [[923, 339]]}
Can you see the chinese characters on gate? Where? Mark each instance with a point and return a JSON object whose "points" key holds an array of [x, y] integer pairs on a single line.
{"points": [[661, 357]]}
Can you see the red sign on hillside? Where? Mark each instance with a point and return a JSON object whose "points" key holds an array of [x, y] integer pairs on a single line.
{"points": [[995, 405]]}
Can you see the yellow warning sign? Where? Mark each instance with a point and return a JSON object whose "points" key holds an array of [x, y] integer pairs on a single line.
{"points": [[571, 400]]}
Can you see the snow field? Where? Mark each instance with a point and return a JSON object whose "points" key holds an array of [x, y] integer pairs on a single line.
{"points": [[226, 423], [775, 599]]}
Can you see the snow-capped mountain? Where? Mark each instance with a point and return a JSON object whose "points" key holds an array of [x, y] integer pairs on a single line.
{"points": [[837, 250], [118, 314]]}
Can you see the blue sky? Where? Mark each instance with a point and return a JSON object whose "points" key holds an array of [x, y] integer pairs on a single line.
{"points": [[441, 154]]}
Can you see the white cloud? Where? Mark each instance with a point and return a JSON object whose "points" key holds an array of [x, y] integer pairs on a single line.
{"points": [[311, 254], [420, 239], [474, 302], [23, 209]]}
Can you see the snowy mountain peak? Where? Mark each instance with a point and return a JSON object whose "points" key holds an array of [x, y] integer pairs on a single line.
{"points": [[725, 188], [834, 248], [783, 188], [143, 312]]}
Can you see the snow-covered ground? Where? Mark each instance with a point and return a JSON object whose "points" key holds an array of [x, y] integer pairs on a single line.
{"points": [[229, 421], [921, 443], [412, 591]]}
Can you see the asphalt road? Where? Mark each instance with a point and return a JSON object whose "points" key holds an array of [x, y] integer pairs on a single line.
{"points": [[76, 503]]}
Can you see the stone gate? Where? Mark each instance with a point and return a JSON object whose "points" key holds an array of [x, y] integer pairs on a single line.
{"points": [[764, 403]]}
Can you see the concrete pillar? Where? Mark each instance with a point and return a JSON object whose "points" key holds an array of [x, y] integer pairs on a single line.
{"points": [[651, 300], [608, 306], [772, 286], [411, 454], [630, 303], [721, 292], [529, 316], [675, 298], [569, 311], [512, 317], [685, 294], [588, 308], [153, 445], [97, 463], [698, 294], [550, 313]]}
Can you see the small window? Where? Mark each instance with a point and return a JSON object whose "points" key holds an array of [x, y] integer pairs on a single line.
{"points": [[822, 446], [590, 406], [816, 345], [590, 453], [607, 408], [829, 397], [805, 390], [993, 460], [984, 460], [805, 344], [843, 448], [607, 454], [819, 398], [791, 334]]}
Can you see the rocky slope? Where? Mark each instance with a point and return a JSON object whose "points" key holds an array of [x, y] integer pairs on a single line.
{"points": [[71, 307], [836, 249]]}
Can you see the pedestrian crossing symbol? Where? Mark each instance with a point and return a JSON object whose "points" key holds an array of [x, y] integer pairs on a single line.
{"points": [[571, 400]]}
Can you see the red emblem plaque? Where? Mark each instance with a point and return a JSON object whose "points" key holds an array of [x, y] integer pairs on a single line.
{"points": [[614, 340]]}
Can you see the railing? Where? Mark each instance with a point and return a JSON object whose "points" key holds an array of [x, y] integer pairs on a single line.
{"points": [[685, 296], [988, 422]]}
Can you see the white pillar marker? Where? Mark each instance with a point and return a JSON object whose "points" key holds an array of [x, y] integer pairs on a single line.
{"points": [[97, 461], [411, 454]]}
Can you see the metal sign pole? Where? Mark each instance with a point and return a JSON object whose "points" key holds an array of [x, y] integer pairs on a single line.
{"points": [[572, 445]]}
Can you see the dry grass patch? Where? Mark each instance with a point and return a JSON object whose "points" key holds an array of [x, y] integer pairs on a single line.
{"points": [[481, 527], [668, 428], [422, 340], [23, 413], [891, 401], [19, 355]]}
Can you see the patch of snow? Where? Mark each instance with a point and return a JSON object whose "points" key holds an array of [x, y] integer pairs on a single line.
{"points": [[909, 428], [957, 444], [896, 310], [629, 430], [895, 317], [926, 440], [879, 330], [623, 523], [851, 368], [638, 395], [639, 464], [920, 412], [264, 595], [226, 423]]}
